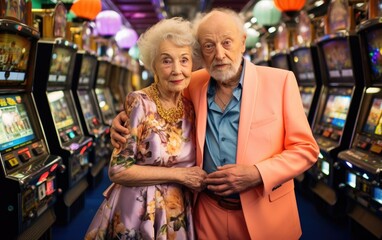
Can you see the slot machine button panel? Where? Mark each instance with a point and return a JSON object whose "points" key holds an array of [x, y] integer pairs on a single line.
{"points": [[64, 138], [327, 133], [25, 156], [12, 163], [363, 145], [335, 136], [38, 151], [376, 148]]}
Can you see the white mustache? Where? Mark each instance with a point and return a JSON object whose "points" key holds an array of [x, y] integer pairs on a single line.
{"points": [[219, 63]]}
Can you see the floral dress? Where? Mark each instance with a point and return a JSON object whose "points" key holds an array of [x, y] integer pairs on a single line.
{"points": [[160, 211]]}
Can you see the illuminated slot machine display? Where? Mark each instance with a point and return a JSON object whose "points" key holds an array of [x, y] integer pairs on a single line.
{"points": [[28, 175], [306, 66], [363, 161], [102, 90], [59, 116], [333, 128], [280, 58], [116, 87], [89, 114]]}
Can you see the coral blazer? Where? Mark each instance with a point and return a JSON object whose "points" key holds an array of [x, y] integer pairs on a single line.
{"points": [[275, 136]]}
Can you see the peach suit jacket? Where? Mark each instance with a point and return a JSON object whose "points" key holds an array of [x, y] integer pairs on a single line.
{"points": [[274, 135]]}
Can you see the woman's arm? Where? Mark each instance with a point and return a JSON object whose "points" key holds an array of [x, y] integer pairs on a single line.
{"points": [[137, 175], [123, 168]]}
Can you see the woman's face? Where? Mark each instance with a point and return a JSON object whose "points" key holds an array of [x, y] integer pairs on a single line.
{"points": [[173, 67]]}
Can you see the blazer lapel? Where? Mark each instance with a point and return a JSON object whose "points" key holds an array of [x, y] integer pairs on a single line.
{"points": [[249, 94], [201, 122]]}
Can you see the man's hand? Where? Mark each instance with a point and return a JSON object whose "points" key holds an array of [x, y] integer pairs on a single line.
{"points": [[233, 178], [117, 130]]}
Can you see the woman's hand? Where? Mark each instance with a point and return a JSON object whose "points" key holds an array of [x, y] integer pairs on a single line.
{"points": [[193, 178]]}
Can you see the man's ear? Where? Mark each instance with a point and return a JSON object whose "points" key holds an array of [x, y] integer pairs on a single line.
{"points": [[243, 43]]}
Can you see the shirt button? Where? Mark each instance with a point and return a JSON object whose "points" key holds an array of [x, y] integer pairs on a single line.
{"points": [[223, 139]]}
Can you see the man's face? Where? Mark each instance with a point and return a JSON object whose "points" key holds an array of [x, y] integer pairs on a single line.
{"points": [[222, 45]]}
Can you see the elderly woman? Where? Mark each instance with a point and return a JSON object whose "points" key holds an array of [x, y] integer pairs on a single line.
{"points": [[154, 171]]}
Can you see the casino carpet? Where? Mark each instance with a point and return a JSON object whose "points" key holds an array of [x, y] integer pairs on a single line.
{"points": [[315, 226]]}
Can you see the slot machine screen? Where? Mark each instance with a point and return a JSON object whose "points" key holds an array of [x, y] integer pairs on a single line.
{"points": [[351, 179], [15, 126], [62, 113], [325, 167], [102, 72], [14, 57], [302, 60], [336, 110], [338, 59], [280, 61], [307, 98], [377, 194], [60, 64], [105, 108], [87, 69], [86, 106], [374, 51], [373, 123]]}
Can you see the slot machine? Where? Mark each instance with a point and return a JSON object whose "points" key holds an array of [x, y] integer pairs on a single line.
{"points": [[126, 81], [280, 58], [306, 66], [28, 170], [60, 119], [116, 87], [84, 74], [363, 161], [103, 93], [333, 128]]}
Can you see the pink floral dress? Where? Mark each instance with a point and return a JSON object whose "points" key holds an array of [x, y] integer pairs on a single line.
{"points": [[160, 211]]}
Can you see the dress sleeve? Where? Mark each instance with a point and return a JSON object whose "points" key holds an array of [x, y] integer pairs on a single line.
{"points": [[124, 157]]}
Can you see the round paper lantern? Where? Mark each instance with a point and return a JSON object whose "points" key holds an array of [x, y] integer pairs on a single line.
{"points": [[87, 9], [126, 38], [266, 13], [252, 38], [290, 7], [108, 23]]}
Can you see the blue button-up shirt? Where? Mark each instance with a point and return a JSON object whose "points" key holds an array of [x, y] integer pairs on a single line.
{"points": [[222, 129]]}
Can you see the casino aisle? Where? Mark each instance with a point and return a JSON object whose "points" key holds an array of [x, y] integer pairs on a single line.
{"points": [[315, 226], [63, 79]]}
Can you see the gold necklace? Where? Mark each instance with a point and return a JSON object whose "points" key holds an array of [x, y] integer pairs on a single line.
{"points": [[171, 115]]}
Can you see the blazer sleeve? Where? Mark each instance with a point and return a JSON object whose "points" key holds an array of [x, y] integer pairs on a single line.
{"points": [[299, 150]]}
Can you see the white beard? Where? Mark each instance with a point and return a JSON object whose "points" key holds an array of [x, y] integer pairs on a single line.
{"points": [[226, 75]]}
